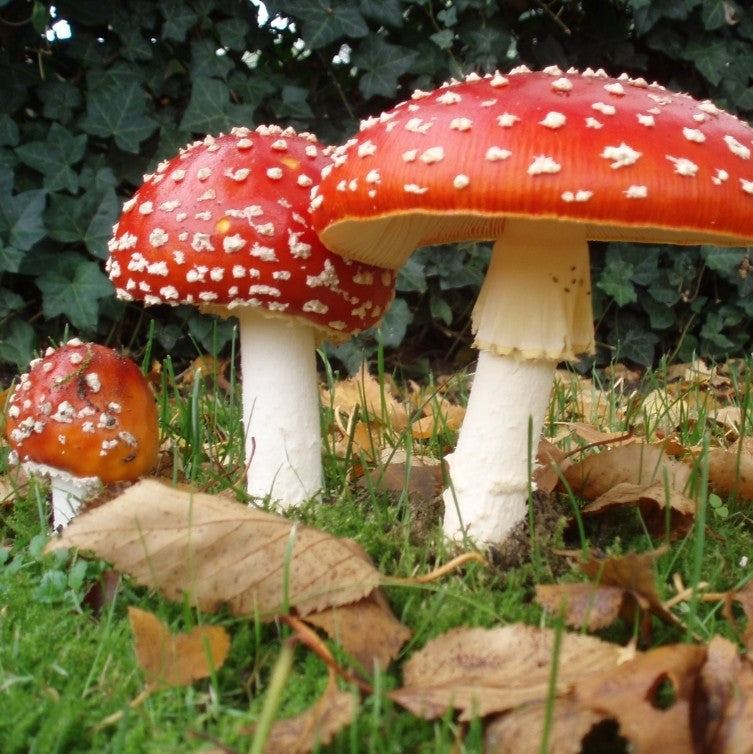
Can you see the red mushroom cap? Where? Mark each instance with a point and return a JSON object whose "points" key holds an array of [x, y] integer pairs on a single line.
{"points": [[627, 159], [225, 224], [85, 410]]}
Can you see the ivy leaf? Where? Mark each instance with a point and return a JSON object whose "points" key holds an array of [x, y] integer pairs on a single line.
{"points": [[9, 302], [294, 103], [21, 218], [384, 12], [725, 260], [54, 157], [324, 21], [179, 18], [709, 57], [615, 281], [17, 342], [383, 64], [119, 113], [72, 287], [206, 111], [8, 131], [638, 346], [59, 100], [207, 62], [395, 323], [87, 219]]}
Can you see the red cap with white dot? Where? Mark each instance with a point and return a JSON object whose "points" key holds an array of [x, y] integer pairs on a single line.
{"points": [[225, 224], [625, 158]]}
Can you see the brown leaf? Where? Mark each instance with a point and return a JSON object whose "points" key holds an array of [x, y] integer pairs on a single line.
{"points": [[621, 587], [520, 731], [367, 630], [731, 472], [586, 605], [315, 727], [629, 693], [652, 501], [728, 683], [483, 671], [634, 574], [637, 464], [176, 659], [220, 552], [372, 396], [422, 479]]}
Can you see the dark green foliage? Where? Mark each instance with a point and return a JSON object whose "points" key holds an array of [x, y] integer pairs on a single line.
{"points": [[83, 116]]}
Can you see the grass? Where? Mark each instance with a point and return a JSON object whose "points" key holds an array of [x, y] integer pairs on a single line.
{"points": [[67, 665]]}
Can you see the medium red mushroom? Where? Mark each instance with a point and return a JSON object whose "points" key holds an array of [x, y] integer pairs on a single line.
{"points": [[225, 226], [84, 416], [539, 162]]}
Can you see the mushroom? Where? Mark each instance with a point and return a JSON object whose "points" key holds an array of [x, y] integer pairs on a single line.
{"points": [[539, 162], [225, 226], [84, 416]]}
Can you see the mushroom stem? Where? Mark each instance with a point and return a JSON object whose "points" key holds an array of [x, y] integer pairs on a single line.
{"points": [[280, 407], [489, 468], [533, 311]]}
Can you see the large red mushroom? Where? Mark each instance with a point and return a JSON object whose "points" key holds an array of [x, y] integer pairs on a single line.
{"points": [[225, 226], [84, 416], [539, 162]]}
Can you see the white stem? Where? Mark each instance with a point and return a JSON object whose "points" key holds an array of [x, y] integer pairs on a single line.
{"points": [[490, 466], [534, 310], [280, 408]]}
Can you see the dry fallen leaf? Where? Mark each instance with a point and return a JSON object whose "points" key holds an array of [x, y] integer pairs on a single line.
{"points": [[731, 471], [631, 694], [651, 500], [315, 727], [176, 660], [640, 464], [520, 731], [367, 630], [728, 684], [620, 587], [483, 671], [220, 552]]}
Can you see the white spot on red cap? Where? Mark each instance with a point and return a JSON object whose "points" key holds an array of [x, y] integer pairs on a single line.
{"points": [[604, 108], [461, 124], [234, 243], [494, 154], [562, 85], [694, 135], [577, 196], [543, 165], [683, 166], [507, 120], [738, 149], [414, 188], [553, 120], [158, 237], [432, 154], [461, 181], [636, 192], [621, 156], [449, 98]]}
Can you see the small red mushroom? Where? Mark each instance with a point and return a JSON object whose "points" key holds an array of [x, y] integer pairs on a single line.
{"points": [[84, 416], [539, 162], [225, 226]]}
